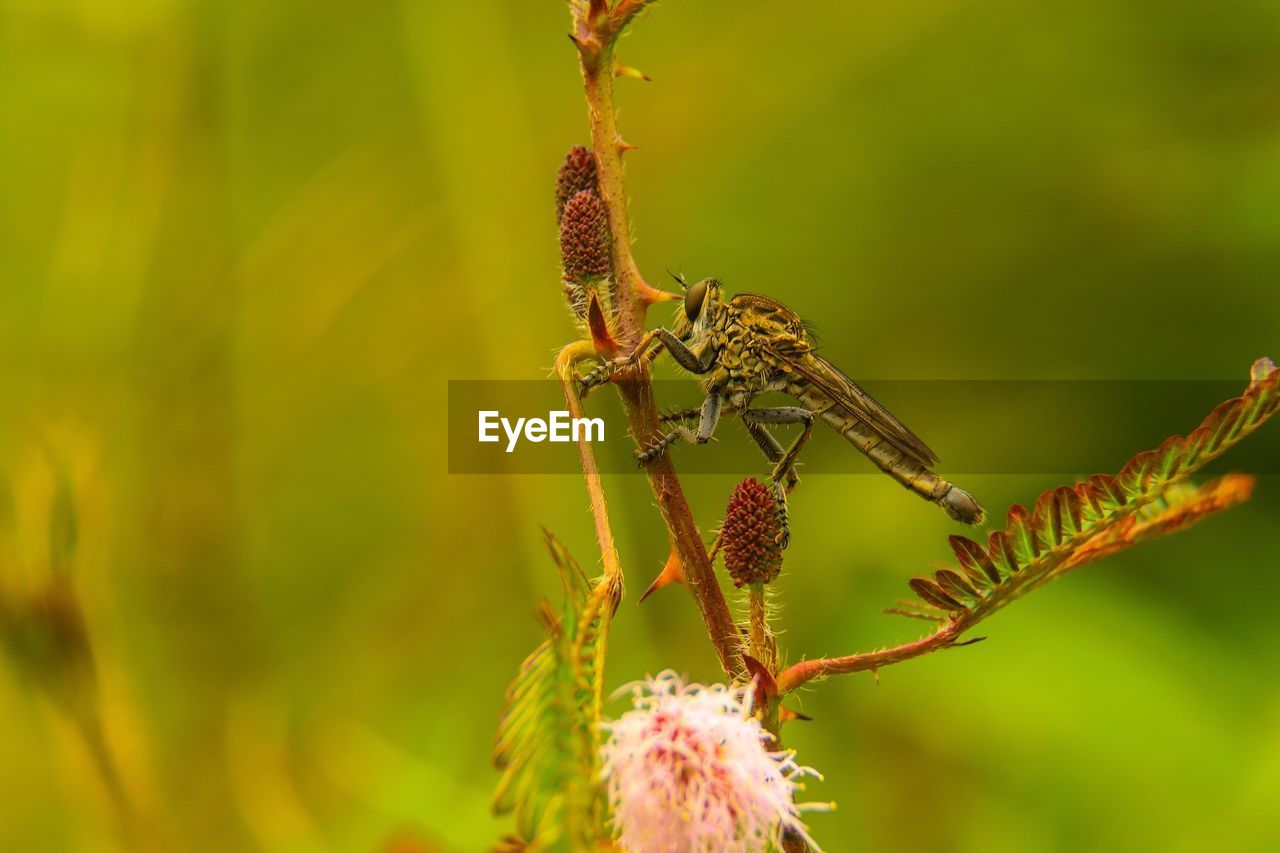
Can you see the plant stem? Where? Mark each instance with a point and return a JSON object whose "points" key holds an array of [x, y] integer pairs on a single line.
{"points": [[595, 36], [699, 575], [595, 51], [608, 591], [807, 670], [759, 624], [565, 361]]}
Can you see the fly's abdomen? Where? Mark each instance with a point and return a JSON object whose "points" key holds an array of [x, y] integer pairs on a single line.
{"points": [[956, 502]]}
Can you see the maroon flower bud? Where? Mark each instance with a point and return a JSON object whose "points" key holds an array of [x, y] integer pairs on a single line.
{"points": [[584, 247], [577, 173], [749, 539]]}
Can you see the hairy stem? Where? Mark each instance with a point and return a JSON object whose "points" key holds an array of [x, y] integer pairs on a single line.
{"points": [[807, 670], [565, 361], [699, 575], [759, 624], [608, 590], [595, 34], [595, 40]]}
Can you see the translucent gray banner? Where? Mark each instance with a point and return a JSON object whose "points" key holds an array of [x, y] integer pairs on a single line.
{"points": [[988, 427]]}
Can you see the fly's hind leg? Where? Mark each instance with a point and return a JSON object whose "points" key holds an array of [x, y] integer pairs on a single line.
{"points": [[709, 416], [784, 469], [784, 464], [772, 449]]}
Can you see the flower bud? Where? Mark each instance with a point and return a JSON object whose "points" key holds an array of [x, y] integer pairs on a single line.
{"points": [[750, 537], [584, 248], [577, 173]]}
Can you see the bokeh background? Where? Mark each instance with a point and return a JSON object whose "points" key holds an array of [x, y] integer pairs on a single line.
{"points": [[244, 245]]}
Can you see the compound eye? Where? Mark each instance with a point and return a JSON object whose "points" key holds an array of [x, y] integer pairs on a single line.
{"points": [[693, 299]]}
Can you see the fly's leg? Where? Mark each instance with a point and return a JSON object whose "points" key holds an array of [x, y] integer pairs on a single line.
{"points": [[784, 523], [606, 370], [599, 375], [682, 415], [784, 465], [709, 416], [684, 356], [784, 469], [772, 449]]}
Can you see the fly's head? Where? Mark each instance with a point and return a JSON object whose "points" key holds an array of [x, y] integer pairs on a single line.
{"points": [[697, 314]]}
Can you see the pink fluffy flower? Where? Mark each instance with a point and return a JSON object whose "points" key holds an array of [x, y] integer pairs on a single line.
{"points": [[689, 770]]}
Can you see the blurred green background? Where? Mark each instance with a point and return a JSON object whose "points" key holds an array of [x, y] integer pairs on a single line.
{"points": [[244, 245]]}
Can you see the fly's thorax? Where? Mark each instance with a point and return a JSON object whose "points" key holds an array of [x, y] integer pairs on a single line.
{"points": [[746, 344], [743, 370]]}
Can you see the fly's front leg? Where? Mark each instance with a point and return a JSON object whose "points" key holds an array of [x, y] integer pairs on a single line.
{"points": [[598, 375], [684, 356], [709, 416], [784, 467], [606, 370]]}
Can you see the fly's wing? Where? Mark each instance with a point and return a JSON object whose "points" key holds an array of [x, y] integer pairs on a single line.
{"points": [[788, 342], [861, 405], [769, 318]]}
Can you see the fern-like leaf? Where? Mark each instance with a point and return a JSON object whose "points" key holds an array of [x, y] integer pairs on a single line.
{"points": [[1070, 526], [546, 741]]}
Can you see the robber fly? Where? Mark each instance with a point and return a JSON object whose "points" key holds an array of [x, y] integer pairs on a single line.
{"points": [[749, 345]]}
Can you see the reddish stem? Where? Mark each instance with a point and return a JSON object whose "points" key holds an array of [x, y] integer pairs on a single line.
{"points": [[595, 37]]}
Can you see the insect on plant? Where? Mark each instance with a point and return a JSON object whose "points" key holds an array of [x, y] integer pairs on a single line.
{"points": [[748, 345], [576, 779]]}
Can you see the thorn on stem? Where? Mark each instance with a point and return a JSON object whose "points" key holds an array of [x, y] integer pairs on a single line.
{"points": [[624, 146], [786, 715], [587, 47], [620, 70], [603, 339], [765, 686], [672, 572], [651, 295]]}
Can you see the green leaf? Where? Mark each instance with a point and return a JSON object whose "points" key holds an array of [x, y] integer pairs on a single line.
{"points": [[930, 592], [974, 560], [547, 740], [1000, 552], [1070, 526], [1018, 530]]}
